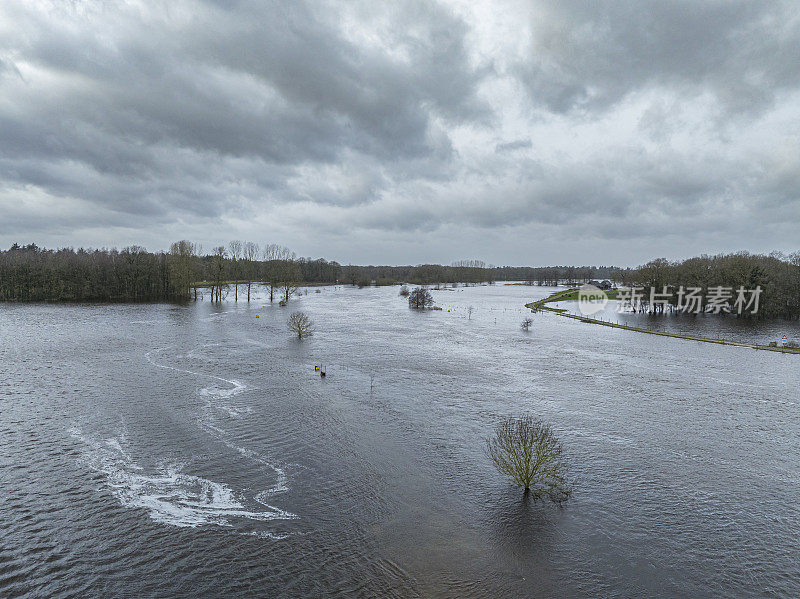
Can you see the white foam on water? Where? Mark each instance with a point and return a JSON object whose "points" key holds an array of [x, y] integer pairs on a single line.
{"points": [[216, 399], [169, 495], [262, 534], [215, 316], [213, 392], [237, 387], [207, 419], [281, 484]]}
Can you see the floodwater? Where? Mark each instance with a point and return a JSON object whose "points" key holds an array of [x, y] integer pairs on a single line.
{"points": [[157, 450], [728, 327]]}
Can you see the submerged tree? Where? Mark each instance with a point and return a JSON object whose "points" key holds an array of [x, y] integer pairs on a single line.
{"points": [[300, 324], [250, 253], [182, 265], [290, 276], [420, 298], [528, 451], [404, 291], [526, 324], [470, 310], [218, 273], [235, 248], [275, 258]]}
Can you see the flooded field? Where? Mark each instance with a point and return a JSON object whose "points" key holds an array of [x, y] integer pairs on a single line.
{"points": [[159, 450], [714, 326]]}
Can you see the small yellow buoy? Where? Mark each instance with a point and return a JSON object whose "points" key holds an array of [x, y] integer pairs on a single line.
{"points": [[256, 315]]}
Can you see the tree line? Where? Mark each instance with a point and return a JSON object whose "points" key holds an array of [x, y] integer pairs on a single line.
{"points": [[776, 274], [422, 274], [552, 276], [475, 271], [31, 273]]}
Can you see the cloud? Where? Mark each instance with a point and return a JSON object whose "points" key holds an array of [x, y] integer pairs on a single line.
{"points": [[591, 55], [510, 146], [525, 132]]}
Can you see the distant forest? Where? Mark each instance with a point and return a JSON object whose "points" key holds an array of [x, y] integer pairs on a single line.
{"points": [[31, 273], [776, 274]]}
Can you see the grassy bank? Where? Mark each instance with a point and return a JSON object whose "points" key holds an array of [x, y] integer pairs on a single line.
{"points": [[572, 295]]}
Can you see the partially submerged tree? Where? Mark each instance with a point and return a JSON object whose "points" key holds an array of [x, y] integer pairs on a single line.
{"points": [[470, 310], [290, 276], [526, 324], [235, 248], [218, 273], [182, 267], [528, 451], [275, 257], [300, 324], [404, 291], [420, 298], [250, 254]]}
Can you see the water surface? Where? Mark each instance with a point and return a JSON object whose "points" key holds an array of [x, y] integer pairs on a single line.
{"points": [[157, 450]]}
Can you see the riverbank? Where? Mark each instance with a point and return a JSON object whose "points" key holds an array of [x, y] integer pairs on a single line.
{"points": [[572, 295]]}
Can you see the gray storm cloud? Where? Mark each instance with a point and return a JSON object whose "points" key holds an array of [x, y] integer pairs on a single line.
{"points": [[522, 132]]}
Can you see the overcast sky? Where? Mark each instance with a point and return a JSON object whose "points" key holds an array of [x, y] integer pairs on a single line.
{"points": [[404, 132]]}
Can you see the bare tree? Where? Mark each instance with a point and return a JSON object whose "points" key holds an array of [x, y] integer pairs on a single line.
{"points": [[269, 255], [526, 324], [470, 310], [217, 272], [420, 298], [290, 276], [404, 291], [250, 253], [469, 264], [276, 256], [528, 451], [198, 251], [235, 248], [300, 324]]}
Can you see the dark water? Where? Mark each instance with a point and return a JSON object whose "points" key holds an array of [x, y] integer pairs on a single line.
{"points": [[715, 326], [193, 451]]}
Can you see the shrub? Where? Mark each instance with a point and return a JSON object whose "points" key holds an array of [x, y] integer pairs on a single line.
{"points": [[528, 451], [420, 298], [300, 324]]}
